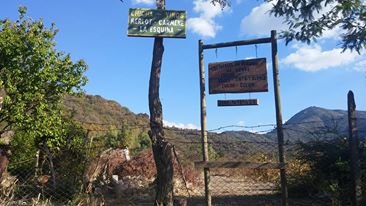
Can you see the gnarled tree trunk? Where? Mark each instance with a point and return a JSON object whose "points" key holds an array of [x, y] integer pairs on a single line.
{"points": [[162, 150], [4, 160]]}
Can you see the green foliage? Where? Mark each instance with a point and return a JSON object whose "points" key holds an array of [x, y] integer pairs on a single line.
{"points": [[329, 171], [23, 155], [126, 138], [212, 154], [308, 20], [121, 138], [112, 141], [68, 158], [34, 77], [222, 3], [144, 141]]}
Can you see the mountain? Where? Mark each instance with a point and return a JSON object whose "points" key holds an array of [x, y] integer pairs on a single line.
{"points": [[315, 123]]}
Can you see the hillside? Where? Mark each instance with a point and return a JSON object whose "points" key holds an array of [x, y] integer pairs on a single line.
{"points": [[97, 113], [315, 123], [100, 115]]}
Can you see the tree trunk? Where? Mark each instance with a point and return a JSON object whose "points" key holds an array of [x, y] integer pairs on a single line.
{"points": [[52, 168], [4, 160], [162, 150]]}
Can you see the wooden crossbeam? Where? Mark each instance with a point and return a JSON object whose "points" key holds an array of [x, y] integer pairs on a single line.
{"points": [[237, 43], [239, 164]]}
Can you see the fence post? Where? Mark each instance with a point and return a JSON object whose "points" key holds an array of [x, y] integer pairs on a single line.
{"points": [[354, 151], [206, 171], [280, 137]]}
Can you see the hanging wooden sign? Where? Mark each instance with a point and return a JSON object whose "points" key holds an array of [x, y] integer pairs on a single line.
{"points": [[156, 23], [238, 76], [238, 102]]}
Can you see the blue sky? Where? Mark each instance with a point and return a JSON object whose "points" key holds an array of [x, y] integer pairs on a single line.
{"points": [[119, 66]]}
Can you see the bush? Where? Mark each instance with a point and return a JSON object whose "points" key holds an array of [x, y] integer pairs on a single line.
{"points": [[327, 170], [68, 160]]}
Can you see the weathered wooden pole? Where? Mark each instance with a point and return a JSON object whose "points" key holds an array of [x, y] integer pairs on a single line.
{"points": [[162, 150], [206, 171], [280, 135], [4, 159], [354, 153]]}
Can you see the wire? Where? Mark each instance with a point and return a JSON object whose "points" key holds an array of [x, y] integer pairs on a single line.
{"points": [[241, 126]]}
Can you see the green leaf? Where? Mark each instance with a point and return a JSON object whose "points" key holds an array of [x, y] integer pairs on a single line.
{"points": [[34, 76]]}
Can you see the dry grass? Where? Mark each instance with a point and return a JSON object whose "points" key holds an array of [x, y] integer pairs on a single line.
{"points": [[7, 188]]}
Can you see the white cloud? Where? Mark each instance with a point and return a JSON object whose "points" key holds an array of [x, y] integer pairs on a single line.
{"points": [[203, 27], [313, 58], [206, 9], [328, 34], [205, 24], [146, 2], [179, 125], [260, 22], [241, 123], [360, 66], [331, 34]]}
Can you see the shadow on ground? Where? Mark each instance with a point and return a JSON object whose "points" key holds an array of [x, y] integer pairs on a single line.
{"points": [[257, 200]]}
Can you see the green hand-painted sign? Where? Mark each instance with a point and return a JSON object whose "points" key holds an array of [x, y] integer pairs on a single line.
{"points": [[157, 23]]}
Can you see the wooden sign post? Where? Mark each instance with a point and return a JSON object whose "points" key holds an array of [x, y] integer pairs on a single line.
{"points": [[158, 23]]}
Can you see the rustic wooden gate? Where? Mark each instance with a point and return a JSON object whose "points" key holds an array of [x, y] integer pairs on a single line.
{"points": [[205, 163]]}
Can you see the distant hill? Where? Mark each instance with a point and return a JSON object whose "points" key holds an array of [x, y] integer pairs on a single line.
{"points": [[96, 113], [314, 123]]}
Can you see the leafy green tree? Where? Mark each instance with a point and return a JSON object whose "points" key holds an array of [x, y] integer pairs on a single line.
{"points": [[304, 25], [127, 139], [143, 141], [307, 20], [122, 139], [34, 76]]}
